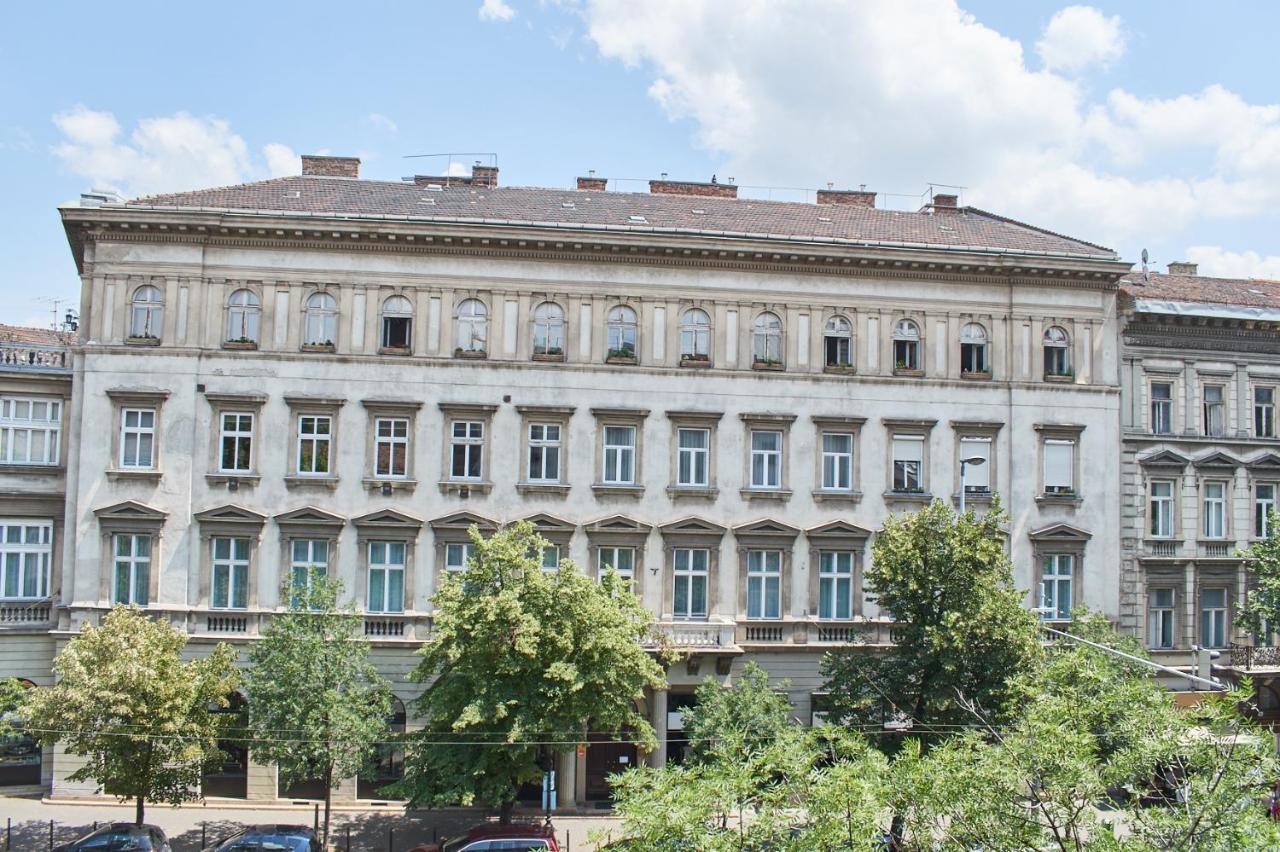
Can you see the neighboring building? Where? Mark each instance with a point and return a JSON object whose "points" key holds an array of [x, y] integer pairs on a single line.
{"points": [[721, 397]]}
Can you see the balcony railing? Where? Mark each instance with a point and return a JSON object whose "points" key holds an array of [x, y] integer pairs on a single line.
{"points": [[227, 624], [13, 612], [1164, 548], [763, 633], [1255, 657], [697, 634], [1216, 549], [31, 356]]}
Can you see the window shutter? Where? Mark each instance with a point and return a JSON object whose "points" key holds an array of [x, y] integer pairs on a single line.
{"points": [[1058, 463], [976, 475], [908, 448]]}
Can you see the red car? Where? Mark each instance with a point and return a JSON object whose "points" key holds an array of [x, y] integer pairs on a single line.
{"points": [[492, 837]]}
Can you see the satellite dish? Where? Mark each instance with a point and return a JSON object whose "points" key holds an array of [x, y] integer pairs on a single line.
{"points": [[1145, 257]]}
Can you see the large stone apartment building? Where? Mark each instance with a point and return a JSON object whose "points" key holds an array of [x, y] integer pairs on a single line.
{"points": [[721, 397]]}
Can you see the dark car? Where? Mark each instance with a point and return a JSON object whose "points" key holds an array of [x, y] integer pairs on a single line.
{"points": [[120, 837], [269, 838], [491, 837]]}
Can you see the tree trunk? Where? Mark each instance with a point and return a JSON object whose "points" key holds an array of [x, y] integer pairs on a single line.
{"points": [[504, 813], [141, 809], [328, 802]]}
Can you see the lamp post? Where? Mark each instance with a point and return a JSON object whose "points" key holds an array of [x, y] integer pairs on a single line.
{"points": [[976, 461]]}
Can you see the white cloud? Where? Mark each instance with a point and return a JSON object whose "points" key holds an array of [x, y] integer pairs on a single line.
{"points": [[382, 122], [162, 154], [1080, 36], [496, 10], [1217, 261]]}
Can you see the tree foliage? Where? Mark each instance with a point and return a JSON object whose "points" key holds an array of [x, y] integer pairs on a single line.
{"points": [[1260, 613], [961, 632], [143, 720], [317, 706], [522, 663], [13, 699]]}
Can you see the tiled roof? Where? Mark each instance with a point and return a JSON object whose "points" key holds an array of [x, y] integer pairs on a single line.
{"points": [[578, 209], [26, 335], [1236, 292]]}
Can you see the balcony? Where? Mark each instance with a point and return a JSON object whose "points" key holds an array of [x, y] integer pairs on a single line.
{"points": [[25, 613], [1164, 549], [698, 635], [396, 626], [34, 357], [1250, 657], [1217, 549]]}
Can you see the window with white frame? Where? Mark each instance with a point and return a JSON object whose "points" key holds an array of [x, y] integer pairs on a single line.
{"points": [[1057, 574], [146, 314], [764, 584], [835, 584], [30, 430], [1059, 466], [1214, 510], [235, 441], [457, 555], [320, 320], [766, 459], [391, 447], [1264, 503], [975, 451], [466, 450], [973, 349], [621, 560], [315, 432], [906, 345], [1215, 411], [1264, 412], [386, 576], [137, 438], [308, 560], [693, 457], [230, 573], [26, 556], [131, 571], [837, 461], [472, 327], [1162, 408], [689, 599], [621, 332], [619, 455], [548, 330], [1161, 509], [544, 452], [837, 343], [695, 335], [766, 339], [397, 323], [1213, 617], [1057, 351], [550, 558], [1160, 615], [908, 463], [244, 316]]}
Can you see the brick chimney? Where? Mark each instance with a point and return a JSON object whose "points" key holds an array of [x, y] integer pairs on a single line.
{"points": [[347, 167], [687, 187], [849, 197], [593, 183], [484, 175], [1183, 267], [945, 203]]}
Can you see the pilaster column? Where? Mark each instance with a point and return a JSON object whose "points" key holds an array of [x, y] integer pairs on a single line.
{"points": [[658, 758]]}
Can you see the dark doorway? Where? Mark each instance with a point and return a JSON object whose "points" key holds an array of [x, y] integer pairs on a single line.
{"points": [[229, 777], [677, 741], [604, 758], [387, 765]]}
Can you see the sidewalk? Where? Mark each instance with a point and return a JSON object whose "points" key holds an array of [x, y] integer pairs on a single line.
{"points": [[371, 830]]}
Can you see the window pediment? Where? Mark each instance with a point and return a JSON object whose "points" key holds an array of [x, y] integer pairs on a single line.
{"points": [[130, 516], [617, 524], [389, 519], [766, 528], [545, 523], [231, 514], [1217, 459], [1060, 533], [312, 517], [462, 521], [693, 527], [837, 533], [1266, 462], [1165, 459]]}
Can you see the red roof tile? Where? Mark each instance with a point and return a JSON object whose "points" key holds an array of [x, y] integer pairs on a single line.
{"points": [[1240, 292]]}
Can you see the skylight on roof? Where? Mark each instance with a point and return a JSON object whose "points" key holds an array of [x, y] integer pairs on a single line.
{"points": [[567, 204], [698, 211], [824, 218], [637, 219]]}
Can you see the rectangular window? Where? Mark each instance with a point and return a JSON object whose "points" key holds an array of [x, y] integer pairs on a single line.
{"points": [[467, 450], [30, 430], [1264, 503], [230, 573], [137, 438], [835, 584], [456, 556], [1213, 618], [764, 584], [235, 442], [1215, 509], [1160, 618], [620, 559], [550, 558], [977, 472], [1215, 413], [1162, 408], [544, 452], [386, 576], [693, 457], [619, 455], [1161, 509], [26, 553], [314, 434], [308, 559], [391, 447], [837, 461], [1057, 572], [908, 463], [766, 459], [132, 571], [1264, 412], [690, 592], [1059, 466]]}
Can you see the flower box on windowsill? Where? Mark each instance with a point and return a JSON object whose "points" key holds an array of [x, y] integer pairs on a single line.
{"points": [[907, 371], [1064, 378], [243, 344], [696, 361], [553, 355], [975, 375], [621, 356], [470, 353], [394, 350], [145, 340], [766, 365], [319, 347], [839, 369]]}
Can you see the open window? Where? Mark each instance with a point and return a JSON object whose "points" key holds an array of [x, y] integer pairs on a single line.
{"points": [[397, 324]]}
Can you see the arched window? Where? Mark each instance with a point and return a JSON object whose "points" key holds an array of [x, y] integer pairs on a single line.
{"points": [[397, 323], [906, 346], [548, 330], [244, 315], [837, 342], [766, 340], [695, 335], [471, 335], [622, 333], [973, 350], [1057, 351], [321, 326], [147, 315]]}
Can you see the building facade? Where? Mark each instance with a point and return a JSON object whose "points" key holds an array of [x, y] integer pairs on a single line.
{"points": [[722, 398]]}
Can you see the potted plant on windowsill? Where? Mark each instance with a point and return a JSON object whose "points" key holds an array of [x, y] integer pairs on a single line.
{"points": [[469, 353], [840, 369], [620, 356], [695, 359], [394, 350], [766, 364], [144, 339], [241, 342], [552, 353], [321, 346], [976, 375], [1067, 375], [901, 368]]}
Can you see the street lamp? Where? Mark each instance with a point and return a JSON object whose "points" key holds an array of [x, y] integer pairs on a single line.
{"points": [[976, 461]]}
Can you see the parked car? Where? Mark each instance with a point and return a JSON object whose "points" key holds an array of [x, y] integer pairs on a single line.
{"points": [[269, 838], [492, 837], [120, 837]]}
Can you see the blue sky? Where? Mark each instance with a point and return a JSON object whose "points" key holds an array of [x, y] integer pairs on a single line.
{"points": [[1131, 124]]}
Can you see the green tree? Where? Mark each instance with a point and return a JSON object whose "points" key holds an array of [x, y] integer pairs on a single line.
{"points": [[1261, 610], [143, 720], [13, 701], [317, 706], [730, 724], [522, 663], [962, 629]]}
